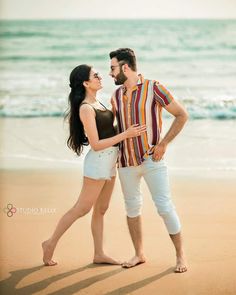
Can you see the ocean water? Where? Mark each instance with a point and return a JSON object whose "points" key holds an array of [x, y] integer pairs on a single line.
{"points": [[195, 59]]}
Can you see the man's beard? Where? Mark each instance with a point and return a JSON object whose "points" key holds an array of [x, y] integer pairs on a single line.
{"points": [[120, 78]]}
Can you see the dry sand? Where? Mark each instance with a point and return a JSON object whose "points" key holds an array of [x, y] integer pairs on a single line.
{"points": [[207, 209]]}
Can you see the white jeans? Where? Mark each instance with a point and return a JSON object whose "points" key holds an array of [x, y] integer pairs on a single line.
{"points": [[156, 177]]}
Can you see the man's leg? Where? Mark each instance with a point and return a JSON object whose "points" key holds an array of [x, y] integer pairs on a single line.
{"points": [[157, 179], [177, 240], [130, 183]]}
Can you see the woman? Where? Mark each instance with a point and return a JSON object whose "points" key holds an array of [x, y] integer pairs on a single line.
{"points": [[90, 123]]}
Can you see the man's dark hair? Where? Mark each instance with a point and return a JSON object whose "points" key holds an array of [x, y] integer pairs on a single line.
{"points": [[125, 55]]}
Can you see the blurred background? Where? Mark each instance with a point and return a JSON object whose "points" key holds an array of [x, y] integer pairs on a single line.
{"points": [[188, 47]]}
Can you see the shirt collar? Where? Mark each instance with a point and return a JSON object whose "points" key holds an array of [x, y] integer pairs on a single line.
{"points": [[139, 82], [140, 79]]}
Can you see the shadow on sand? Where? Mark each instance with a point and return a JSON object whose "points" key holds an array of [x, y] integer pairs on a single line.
{"points": [[140, 284], [8, 286]]}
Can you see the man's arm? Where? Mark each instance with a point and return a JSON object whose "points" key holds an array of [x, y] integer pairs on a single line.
{"points": [[181, 116]]}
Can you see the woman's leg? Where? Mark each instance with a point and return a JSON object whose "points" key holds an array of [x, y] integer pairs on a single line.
{"points": [[88, 196], [99, 209]]}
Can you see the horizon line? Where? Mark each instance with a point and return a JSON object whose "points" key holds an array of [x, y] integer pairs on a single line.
{"points": [[114, 19]]}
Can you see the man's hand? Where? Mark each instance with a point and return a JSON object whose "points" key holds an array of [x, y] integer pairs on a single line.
{"points": [[159, 151]]}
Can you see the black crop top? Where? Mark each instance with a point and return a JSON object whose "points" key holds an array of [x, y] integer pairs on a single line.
{"points": [[104, 121]]}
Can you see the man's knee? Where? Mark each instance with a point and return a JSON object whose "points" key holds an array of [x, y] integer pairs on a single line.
{"points": [[166, 211], [163, 204], [170, 219], [133, 207]]}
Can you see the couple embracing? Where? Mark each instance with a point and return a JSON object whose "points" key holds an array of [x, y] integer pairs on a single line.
{"points": [[137, 149]]}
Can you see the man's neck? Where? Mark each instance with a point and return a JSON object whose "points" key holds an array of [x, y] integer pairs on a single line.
{"points": [[131, 81]]}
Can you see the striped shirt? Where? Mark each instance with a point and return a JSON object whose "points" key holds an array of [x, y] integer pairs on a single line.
{"points": [[144, 106]]}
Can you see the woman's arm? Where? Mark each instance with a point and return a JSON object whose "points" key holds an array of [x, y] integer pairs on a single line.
{"points": [[87, 116], [113, 105]]}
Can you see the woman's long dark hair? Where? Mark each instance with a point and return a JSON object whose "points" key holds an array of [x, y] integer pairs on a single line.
{"points": [[77, 138]]}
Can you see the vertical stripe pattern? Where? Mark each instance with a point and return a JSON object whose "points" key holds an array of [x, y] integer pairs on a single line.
{"points": [[144, 106]]}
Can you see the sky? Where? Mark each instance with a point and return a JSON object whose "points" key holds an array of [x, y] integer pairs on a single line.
{"points": [[80, 9]]}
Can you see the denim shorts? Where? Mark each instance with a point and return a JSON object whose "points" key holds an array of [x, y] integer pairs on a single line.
{"points": [[101, 164]]}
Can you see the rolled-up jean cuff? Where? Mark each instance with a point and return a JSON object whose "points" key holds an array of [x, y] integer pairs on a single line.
{"points": [[172, 222], [133, 215]]}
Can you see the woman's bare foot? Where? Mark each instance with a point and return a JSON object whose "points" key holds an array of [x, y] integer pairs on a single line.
{"points": [[48, 253], [104, 259], [136, 260], [180, 264]]}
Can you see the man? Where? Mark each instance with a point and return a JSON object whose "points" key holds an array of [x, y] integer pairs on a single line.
{"points": [[140, 101]]}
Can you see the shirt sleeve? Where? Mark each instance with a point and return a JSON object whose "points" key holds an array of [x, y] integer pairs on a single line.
{"points": [[161, 94]]}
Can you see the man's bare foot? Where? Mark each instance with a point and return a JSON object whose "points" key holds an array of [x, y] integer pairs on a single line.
{"points": [[136, 260], [104, 259], [180, 264], [48, 253]]}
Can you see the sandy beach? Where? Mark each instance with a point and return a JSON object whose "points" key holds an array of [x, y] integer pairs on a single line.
{"points": [[193, 55], [208, 225], [41, 178]]}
